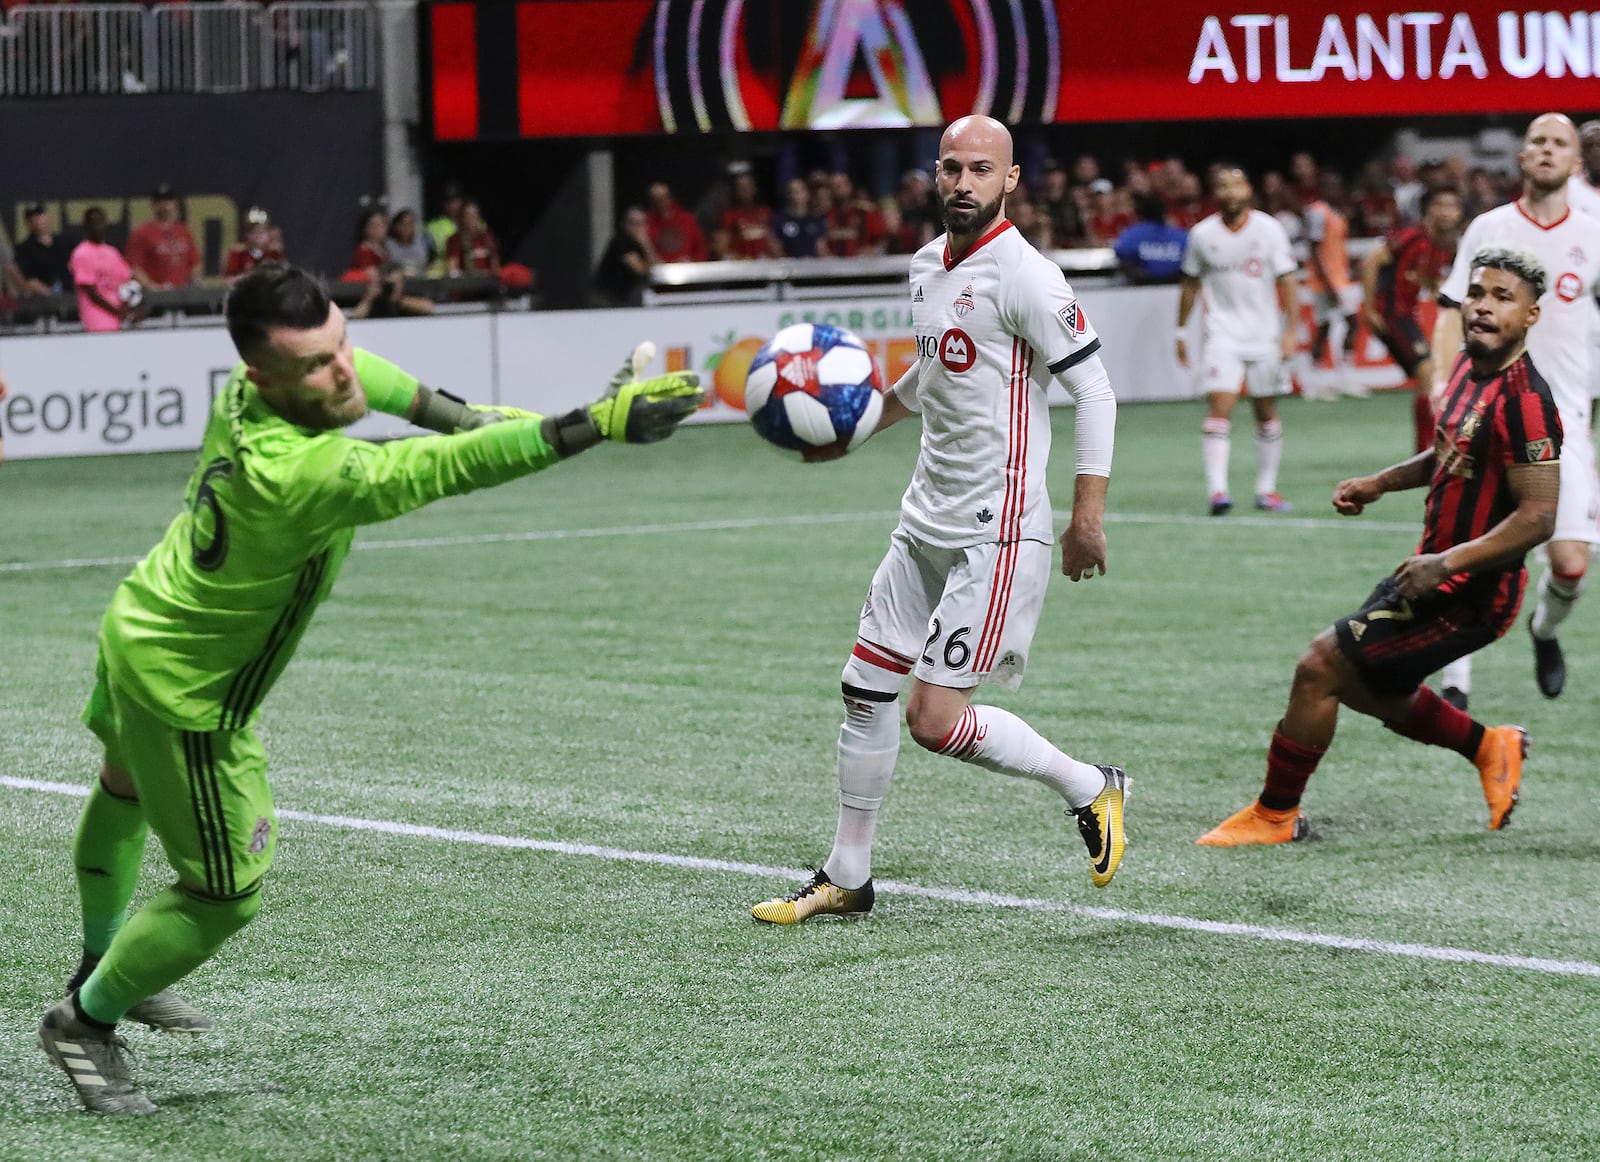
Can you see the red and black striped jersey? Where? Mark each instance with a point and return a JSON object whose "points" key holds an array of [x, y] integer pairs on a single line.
{"points": [[1486, 426], [1420, 265]]}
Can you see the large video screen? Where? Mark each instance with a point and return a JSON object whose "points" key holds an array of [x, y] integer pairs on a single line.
{"points": [[562, 68]]}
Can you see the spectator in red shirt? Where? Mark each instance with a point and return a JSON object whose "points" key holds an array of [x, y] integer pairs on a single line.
{"points": [[673, 231], [257, 247], [1111, 212], [854, 226], [473, 249], [372, 241], [744, 229], [1375, 211], [1305, 178], [162, 252]]}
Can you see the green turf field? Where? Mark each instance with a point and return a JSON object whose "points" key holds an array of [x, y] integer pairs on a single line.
{"points": [[588, 680]]}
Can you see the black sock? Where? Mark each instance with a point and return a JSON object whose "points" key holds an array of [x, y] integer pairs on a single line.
{"points": [[77, 1011], [85, 967]]}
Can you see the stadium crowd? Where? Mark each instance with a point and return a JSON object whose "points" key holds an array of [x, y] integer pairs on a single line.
{"points": [[110, 283], [1060, 206]]}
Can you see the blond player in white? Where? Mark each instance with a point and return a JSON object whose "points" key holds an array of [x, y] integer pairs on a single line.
{"points": [[955, 601], [1240, 264], [1543, 221]]}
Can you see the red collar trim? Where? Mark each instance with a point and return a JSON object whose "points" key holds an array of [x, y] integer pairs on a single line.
{"points": [[1536, 222], [976, 246]]}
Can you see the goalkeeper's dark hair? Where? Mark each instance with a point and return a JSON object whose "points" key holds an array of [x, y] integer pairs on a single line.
{"points": [[1514, 260], [274, 294]]}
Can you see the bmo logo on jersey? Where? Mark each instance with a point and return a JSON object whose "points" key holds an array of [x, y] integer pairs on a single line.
{"points": [[957, 351]]}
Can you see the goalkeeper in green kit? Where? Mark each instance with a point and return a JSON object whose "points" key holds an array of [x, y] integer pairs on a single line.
{"points": [[196, 635]]}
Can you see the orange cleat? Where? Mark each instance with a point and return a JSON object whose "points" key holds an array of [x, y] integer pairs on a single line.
{"points": [[1257, 824], [1499, 763]]}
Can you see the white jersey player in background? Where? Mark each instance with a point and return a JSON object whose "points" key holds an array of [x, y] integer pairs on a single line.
{"points": [[957, 597], [1543, 221], [1240, 264]]}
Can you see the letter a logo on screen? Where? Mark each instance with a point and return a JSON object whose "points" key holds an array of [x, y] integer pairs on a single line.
{"points": [[879, 33]]}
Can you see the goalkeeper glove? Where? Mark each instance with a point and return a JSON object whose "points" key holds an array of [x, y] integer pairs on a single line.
{"points": [[633, 410]]}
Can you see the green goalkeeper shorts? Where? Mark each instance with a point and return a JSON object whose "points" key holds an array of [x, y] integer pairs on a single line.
{"points": [[205, 794]]}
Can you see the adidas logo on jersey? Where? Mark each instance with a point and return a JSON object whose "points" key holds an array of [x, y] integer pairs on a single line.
{"points": [[917, 298]]}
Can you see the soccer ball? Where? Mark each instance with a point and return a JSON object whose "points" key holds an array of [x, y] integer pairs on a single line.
{"points": [[814, 386]]}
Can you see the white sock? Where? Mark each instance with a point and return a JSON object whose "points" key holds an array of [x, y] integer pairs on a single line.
{"points": [[1214, 453], [869, 741], [1558, 593], [998, 740], [1269, 452], [1458, 674]]}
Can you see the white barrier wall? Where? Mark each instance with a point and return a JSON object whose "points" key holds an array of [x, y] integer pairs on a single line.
{"points": [[147, 391]]}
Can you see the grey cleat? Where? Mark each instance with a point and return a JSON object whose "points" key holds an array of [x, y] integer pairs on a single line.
{"points": [[95, 1060], [167, 1012]]}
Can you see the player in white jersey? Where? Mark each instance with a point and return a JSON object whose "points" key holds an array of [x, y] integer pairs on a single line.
{"points": [[1562, 348], [956, 599], [1583, 187], [1240, 263]]}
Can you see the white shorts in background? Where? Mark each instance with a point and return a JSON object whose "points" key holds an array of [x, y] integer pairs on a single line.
{"points": [[1578, 513], [1343, 303], [965, 616], [1262, 377]]}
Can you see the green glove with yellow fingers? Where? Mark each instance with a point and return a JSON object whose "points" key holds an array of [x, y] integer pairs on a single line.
{"points": [[633, 410]]}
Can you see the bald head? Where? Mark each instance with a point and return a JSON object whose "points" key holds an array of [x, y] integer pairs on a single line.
{"points": [[1549, 153], [978, 134], [975, 175]]}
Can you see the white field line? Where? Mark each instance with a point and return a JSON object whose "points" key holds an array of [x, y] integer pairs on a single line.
{"points": [[792, 521], [893, 887]]}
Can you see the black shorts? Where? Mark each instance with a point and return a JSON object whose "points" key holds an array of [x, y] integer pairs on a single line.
{"points": [[1395, 642], [1406, 343]]}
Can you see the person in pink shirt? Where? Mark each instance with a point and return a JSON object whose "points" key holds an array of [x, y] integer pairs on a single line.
{"points": [[99, 272]]}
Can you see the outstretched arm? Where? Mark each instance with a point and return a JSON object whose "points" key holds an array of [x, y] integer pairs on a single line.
{"points": [[1351, 496]]}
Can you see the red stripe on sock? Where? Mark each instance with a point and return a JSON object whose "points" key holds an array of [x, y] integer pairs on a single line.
{"points": [[1437, 723], [1289, 767]]}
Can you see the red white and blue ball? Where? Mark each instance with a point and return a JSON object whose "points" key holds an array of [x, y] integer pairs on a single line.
{"points": [[814, 386]]}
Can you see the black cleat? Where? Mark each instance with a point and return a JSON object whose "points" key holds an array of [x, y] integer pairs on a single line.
{"points": [[1455, 696], [1549, 666]]}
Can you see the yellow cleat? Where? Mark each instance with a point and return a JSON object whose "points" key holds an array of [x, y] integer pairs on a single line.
{"points": [[1499, 763], [1100, 824], [1257, 824], [818, 896]]}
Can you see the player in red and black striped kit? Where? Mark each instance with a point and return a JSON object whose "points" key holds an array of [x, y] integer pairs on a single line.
{"points": [[1406, 266], [1493, 479]]}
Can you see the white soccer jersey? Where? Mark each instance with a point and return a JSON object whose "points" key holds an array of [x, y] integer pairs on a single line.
{"points": [[1583, 197], [1561, 341], [992, 328], [1238, 272]]}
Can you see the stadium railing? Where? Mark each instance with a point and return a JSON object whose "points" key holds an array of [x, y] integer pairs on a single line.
{"points": [[63, 50], [784, 279], [202, 305]]}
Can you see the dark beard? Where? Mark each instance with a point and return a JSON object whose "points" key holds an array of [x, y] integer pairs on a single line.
{"points": [[977, 220]]}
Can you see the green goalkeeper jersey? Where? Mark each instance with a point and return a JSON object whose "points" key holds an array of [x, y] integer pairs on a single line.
{"points": [[203, 626]]}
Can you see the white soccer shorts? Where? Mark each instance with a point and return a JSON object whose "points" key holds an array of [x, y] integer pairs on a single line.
{"points": [[965, 616], [1578, 513], [1264, 377]]}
